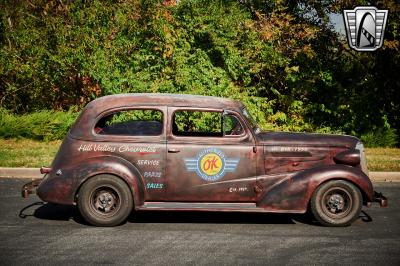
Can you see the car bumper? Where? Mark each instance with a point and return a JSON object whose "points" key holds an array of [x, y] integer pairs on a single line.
{"points": [[30, 188], [378, 197]]}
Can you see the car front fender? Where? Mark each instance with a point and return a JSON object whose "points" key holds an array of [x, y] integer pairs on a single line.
{"points": [[293, 193], [62, 185]]}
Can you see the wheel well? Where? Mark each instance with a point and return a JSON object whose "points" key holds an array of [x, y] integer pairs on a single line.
{"points": [[90, 177]]}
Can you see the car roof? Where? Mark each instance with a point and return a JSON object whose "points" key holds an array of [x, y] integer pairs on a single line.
{"points": [[83, 127], [164, 99]]}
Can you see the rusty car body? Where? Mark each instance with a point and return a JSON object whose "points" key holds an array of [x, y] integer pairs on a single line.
{"points": [[158, 159]]}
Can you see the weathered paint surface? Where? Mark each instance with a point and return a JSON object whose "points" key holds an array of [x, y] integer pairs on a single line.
{"points": [[274, 172]]}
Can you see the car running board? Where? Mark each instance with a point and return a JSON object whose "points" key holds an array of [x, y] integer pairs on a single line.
{"points": [[206, 206]]}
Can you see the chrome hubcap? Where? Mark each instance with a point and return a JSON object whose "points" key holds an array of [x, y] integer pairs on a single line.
{"points": [[337, 202], [105, 201]]}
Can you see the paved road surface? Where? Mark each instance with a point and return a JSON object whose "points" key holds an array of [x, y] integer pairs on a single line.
{"points": [[35, 233]]}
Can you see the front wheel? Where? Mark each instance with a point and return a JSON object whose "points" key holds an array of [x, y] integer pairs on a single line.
{"points": [[336, 203], [105, 200]]}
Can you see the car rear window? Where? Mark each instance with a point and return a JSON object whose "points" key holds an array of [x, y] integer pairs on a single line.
{"points": [[133, 122]]}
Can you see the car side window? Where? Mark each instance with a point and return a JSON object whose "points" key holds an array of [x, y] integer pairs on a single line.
{"points": [[197, 124], [232, 126], [132, 122]]}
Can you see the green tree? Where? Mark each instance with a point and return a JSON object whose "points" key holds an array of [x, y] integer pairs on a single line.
{"points": [[281, 58]]}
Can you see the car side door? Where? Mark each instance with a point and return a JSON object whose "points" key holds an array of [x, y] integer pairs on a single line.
{"points": [[210, 158]]}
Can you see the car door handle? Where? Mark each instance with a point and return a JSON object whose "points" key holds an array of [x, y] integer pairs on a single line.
{"points": [[173, 150]]}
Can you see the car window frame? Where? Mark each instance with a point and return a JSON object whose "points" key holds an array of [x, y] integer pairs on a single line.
{"points": [[195, 110], [131, 138], [246, 137]]}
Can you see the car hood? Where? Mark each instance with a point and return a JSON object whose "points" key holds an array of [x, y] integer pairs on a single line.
{"points": [[305, 139]]}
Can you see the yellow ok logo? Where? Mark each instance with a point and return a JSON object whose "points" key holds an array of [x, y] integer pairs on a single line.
{"points": [[211, 164]]}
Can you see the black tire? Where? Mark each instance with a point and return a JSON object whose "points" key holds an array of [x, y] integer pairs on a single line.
{"points": [[336, 203], [105, 200]]}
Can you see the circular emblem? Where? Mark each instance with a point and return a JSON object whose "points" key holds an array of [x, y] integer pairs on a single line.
{"points": [[211, 164]]}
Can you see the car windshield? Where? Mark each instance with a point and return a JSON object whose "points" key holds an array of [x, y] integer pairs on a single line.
{"points": [[251, 120]]}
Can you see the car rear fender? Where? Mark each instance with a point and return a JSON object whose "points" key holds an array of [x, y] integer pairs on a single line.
{"points": [[64, 187], [293, 193]]}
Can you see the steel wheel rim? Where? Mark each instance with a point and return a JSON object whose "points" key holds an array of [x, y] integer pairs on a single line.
{"points": [[336, 202], [105, 201]]}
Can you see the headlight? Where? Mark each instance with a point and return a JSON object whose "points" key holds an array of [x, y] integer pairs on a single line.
{"points": [[363, 158]]}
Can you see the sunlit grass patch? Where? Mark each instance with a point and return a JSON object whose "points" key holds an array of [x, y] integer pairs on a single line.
{"points": [[27, 153], [383, 159]]}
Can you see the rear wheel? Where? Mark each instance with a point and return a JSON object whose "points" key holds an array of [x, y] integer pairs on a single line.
{"points": [[105, 200], [336, 203]]}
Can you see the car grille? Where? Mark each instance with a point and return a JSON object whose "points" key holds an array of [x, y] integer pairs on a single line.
{"points": [[363, 159]]}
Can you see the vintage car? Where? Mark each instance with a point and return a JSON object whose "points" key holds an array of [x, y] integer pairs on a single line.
{"points": [[185, 152]]}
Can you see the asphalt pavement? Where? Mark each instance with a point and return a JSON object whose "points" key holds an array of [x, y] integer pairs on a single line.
{"points": [[33, 233]]}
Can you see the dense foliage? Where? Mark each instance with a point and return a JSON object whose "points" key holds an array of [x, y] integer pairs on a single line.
{"points": [[281, 58], [41, 125]]}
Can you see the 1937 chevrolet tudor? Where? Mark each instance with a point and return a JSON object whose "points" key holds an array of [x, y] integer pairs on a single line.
{"points": [[186, 152]]}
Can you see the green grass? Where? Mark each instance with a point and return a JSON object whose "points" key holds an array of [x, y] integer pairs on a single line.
{"points": [[27, 153], [383, 159], [30, 153]]}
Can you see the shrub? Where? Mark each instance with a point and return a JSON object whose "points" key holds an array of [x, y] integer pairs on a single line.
{"points": [[382, 137], [43, 125]]}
